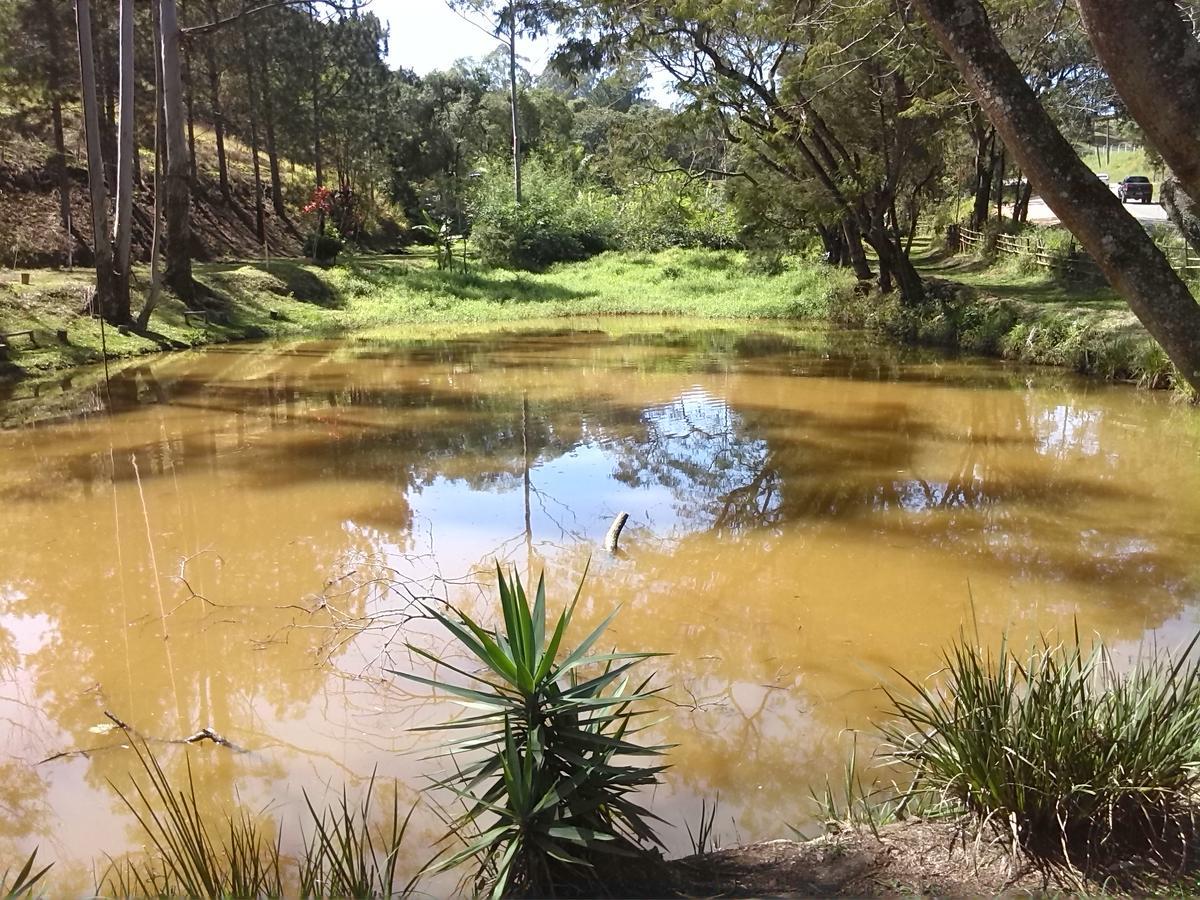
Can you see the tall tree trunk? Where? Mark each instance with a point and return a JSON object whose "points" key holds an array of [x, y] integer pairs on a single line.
{"points": [[1001, 165], [153, 296], [1153, 59], [102, 248], [54, 83], [177, 199], [108, 98], [1129, 258], [269, 128], [514, 99], [190, 103], [985, 142], [214, 99], [126, 148], [1021, 210], [252, 111]]}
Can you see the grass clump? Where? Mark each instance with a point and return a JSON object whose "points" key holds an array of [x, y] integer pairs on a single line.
{"points": [[240, 858], [1059, 750], [548, 802]]}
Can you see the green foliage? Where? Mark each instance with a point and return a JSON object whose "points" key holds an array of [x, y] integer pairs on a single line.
{"points": [[546, 800], [556, 221], [323, 248], [674, 211], [1059, 750], [241, 861], [344, 858], [563, 219], [23, 883], [193, 858]]}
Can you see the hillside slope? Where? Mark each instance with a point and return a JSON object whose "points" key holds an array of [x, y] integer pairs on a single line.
{"points": [[31, 232]]}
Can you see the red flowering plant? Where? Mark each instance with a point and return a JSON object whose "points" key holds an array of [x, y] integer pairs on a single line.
{"points": [[322, 245]]}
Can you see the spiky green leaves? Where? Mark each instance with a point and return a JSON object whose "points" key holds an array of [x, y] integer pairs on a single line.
{"points": [[541, 776]]}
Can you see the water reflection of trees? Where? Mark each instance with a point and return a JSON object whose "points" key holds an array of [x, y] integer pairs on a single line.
{"points": [[799, 489]]}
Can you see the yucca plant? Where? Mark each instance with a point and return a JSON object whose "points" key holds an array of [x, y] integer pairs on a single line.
{"points": [[1060, 750], [546, 798]]}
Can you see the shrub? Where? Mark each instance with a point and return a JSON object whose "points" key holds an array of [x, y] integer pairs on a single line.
{"points": [[674, 211], [195, 857], [546, 801], [1059, 751], [322, 248], [557, 220]]}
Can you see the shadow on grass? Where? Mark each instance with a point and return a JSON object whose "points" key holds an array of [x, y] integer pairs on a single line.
{"points": [[488, 287]]}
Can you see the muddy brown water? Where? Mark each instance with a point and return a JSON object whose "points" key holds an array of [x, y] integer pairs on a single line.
{"points": [[232, 539]]}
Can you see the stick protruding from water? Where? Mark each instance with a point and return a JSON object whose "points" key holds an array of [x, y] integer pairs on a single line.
{"points": [[614, 532]]}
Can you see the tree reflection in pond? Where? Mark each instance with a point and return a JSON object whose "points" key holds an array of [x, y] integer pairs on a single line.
{"points": [[808, 511]]}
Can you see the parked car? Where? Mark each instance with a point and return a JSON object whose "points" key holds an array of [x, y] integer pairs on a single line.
{"points": [[1135, 187], [1103, 176]]}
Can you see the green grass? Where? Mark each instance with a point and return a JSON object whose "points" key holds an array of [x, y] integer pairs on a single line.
{"points": [[1118, 163], [1005, 310], [1058, 749], [292, 298]]}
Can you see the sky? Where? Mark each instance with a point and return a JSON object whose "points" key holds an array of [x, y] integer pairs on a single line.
{"points": [[426, 35]]}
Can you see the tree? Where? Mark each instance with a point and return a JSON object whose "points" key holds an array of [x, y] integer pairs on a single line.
{"points": [[849, 129], [1121, 247], [512, 19], [98, 192], [1133, 40], [177, 197], [126, 149]]}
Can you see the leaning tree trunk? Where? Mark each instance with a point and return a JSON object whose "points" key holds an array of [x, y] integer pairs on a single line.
{"points": [[1153, 60], [1129, 258], [126, 148], [177, 190], [854, 247], [1183, 212], [102, 251]]}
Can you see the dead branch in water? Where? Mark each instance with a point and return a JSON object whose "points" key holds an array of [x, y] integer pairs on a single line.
{"points": [[204, 734]]}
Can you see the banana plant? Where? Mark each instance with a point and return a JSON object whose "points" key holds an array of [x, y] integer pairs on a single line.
{"points": [[547, 772]]}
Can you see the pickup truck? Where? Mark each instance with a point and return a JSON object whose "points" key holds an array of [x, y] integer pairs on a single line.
{"points": [[1135, 187]]}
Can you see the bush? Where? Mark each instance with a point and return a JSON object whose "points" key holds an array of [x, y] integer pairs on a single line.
{"points": [[1060, 751], [322, 248], [674, 211], [557, 220], [546, 802], [560, 220]]}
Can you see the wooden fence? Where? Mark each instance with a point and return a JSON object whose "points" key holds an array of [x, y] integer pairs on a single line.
{"points": [[1184, 260]]}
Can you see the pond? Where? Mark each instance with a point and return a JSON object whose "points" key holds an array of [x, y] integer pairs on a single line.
{"points": [[233, 538]]}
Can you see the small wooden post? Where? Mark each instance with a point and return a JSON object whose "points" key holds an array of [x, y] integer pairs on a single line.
{"points": [[24, 278]]}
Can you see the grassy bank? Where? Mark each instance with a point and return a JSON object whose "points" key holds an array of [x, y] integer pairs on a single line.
{"points": [[291, 298], [1002, 309]]}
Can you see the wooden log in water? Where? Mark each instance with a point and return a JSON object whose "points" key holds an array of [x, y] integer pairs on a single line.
{"points": [[614, 532]]}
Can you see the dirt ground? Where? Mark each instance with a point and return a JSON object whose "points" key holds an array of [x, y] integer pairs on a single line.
{"points": [[910, 858]]}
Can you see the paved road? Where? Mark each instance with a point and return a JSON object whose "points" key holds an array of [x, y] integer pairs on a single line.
{"points": [[1143, 212]]}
